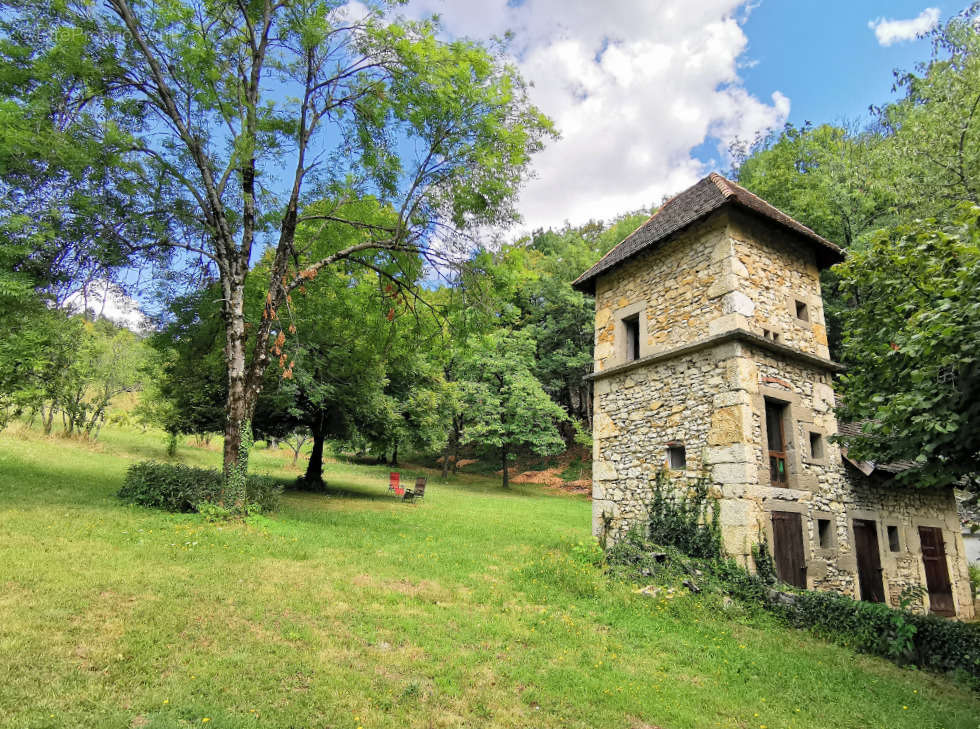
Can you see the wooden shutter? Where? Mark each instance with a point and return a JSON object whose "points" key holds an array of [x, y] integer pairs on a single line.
{"points": [[787, 547], [937, 575], [869, 560]]}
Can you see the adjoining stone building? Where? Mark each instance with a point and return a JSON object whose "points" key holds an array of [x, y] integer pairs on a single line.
{"points": [[711, 356]]}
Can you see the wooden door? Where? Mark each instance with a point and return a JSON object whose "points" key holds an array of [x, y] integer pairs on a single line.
{"points": [[869, 560], [787, 547], [937, 575]]}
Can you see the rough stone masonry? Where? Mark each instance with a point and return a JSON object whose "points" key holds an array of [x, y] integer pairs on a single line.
{"points": [[709, 329]]}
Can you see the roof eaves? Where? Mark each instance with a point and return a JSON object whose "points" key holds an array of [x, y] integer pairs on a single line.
{"points": [[702, 204]]}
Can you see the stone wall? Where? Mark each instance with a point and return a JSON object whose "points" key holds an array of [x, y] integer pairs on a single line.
{"points": [[670, 286], [713, 401], [774, 270], [731, 273], [636, 415]]}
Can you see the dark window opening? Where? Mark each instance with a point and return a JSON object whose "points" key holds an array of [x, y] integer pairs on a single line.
{"points": [[824, 533], [676, 457], [776, 442], [632, 327], [770, 335], [816, 445], [893, 545], [802, 312]]}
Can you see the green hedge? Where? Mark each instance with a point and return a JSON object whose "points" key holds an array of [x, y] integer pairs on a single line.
{"points": [[927, 641], [180, 488]]}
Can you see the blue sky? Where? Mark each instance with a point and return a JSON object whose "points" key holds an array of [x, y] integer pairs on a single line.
{"points": [[648, 94], [825, 58]]}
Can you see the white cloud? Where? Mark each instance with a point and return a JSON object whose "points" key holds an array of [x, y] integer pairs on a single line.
{"points": [[895, 31], [632, 87], [104, 299]]}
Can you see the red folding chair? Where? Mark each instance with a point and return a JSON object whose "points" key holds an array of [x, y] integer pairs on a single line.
{"points": [[393, 479]]}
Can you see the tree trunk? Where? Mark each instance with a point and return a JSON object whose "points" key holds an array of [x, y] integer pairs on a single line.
{"points": [[314, 469], [394, 456], [445, 462], [457, 435], [236, 406], [503, 460], [48, 420]]}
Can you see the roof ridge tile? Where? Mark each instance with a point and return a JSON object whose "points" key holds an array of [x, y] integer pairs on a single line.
{"points": [[722, 183]]}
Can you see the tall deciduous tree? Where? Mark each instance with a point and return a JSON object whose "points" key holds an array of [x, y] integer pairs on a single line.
{"points": [[506, 408], [250, 110], [934, 132], [829, 177], [912, 343]]}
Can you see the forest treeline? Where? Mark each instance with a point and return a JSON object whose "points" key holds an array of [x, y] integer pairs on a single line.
{"points": [[487, 355]]}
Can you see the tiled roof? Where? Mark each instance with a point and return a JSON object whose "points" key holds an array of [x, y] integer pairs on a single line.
{"points": [[695, 203], [855, 428]]}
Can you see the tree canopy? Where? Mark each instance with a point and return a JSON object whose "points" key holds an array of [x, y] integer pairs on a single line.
{"points": [[912, 340], [207, 107]]}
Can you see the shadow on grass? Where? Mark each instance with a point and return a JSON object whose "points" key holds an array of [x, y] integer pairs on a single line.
{"points": [[334, 489]]}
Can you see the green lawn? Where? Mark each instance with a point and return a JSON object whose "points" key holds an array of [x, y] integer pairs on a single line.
{"points": [[354, 610]]}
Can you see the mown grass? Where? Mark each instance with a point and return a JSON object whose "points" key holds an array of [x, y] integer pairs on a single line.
{"points": [[351, 609]]}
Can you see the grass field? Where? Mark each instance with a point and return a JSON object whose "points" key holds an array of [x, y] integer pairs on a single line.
{"points": [[472, 609]]}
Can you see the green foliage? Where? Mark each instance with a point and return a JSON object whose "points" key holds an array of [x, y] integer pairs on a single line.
{"points": [[933, 138], [181, 488], [197, 105], [682, 514], [913, 349], [214, 512], [507, 409], [829, 177], [52, 364], [974, 580], [67, 183], [927, 641], [765, 565], [235, 494], [918, 158]]}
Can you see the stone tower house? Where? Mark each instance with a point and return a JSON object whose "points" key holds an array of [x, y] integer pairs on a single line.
{"points": [[711, 357]]}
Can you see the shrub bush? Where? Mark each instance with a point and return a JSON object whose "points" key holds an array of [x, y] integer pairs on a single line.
{"points": [[927, 641], [685, 516], [180, 488]]}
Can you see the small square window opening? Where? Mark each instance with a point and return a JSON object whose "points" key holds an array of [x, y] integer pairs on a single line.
{"points": [[631, 326], [816, 445], [802, 311], [824, 533], [893, 545], [676, 457]]}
